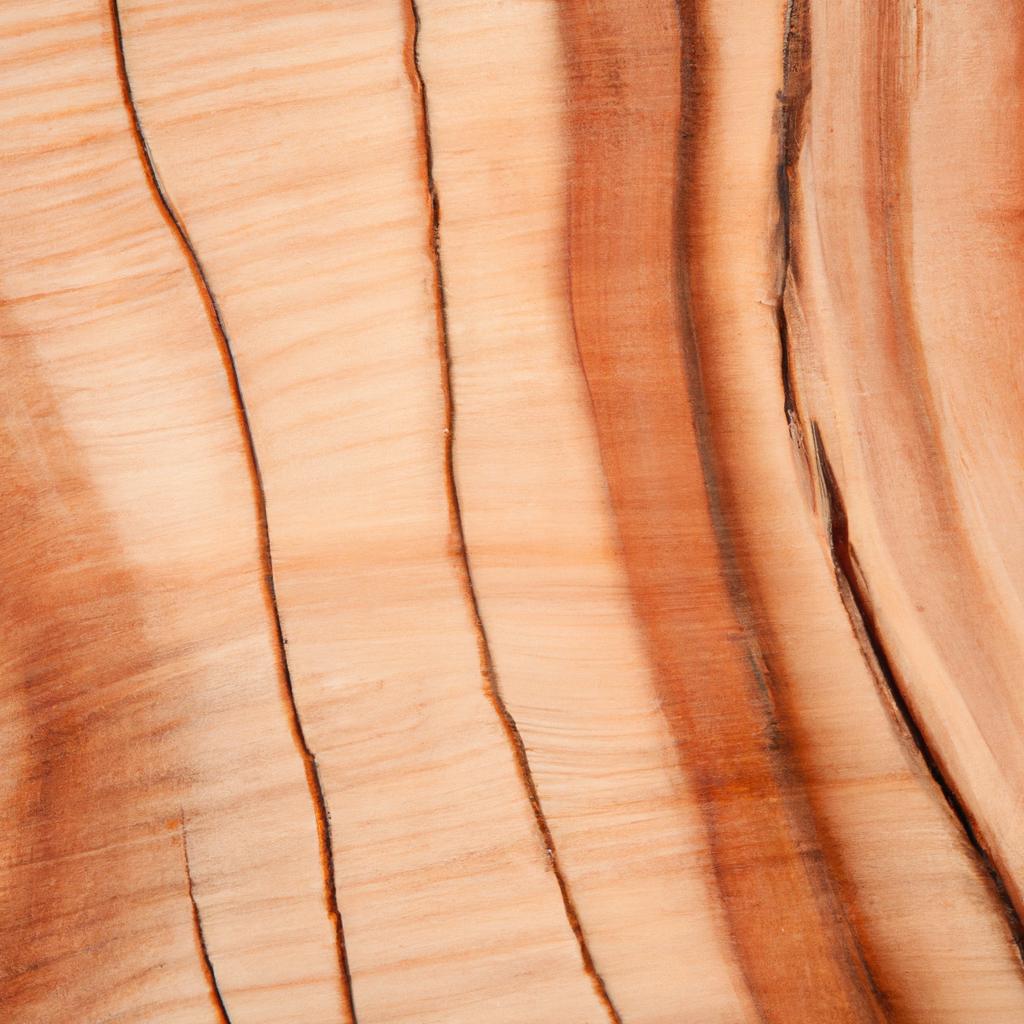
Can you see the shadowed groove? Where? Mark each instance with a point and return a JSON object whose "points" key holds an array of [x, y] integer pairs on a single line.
{"points": [[458, 539], [177, 227]]}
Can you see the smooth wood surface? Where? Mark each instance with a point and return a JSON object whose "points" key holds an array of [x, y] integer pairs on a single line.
{"points": [[510, 512]]}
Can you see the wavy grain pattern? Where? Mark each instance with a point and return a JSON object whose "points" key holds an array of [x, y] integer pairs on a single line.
{"points": [[574, 449]]}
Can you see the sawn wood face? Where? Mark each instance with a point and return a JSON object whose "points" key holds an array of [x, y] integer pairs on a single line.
{"points": [[509, 512]]}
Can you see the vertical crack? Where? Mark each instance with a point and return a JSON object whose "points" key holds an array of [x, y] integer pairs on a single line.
{"points": [[177, 227], [458, 538], [197, 926], [858, 606], [796, 86]]}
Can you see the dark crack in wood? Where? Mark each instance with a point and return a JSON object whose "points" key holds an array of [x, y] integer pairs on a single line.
{"points": [[216, 319], [461, 556]]}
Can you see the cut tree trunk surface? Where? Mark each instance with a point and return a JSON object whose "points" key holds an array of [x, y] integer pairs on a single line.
{"points": [[510, 512]]}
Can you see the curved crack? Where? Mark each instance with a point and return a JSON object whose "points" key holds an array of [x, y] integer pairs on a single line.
{"points": [[487, 668], [177, 227]]}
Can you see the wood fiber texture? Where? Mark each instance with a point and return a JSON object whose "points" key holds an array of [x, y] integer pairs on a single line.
{"points": [[511, 512]]}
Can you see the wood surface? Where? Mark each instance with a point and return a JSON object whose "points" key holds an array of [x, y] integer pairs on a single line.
{"points": [[510, 512]]}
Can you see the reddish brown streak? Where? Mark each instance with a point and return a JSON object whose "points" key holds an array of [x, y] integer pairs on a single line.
{"points": [[75, 661], [635, 322]]}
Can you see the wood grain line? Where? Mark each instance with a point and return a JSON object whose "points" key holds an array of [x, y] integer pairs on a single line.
{"points": [[460, 553], [315, 785], [857, 602], [200, 937]]}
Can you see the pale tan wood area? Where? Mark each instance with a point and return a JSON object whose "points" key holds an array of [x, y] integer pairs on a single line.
{"points": [[509, 512]]}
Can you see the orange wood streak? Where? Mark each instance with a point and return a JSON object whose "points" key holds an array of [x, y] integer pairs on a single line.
{"points": [[634, 327]]}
